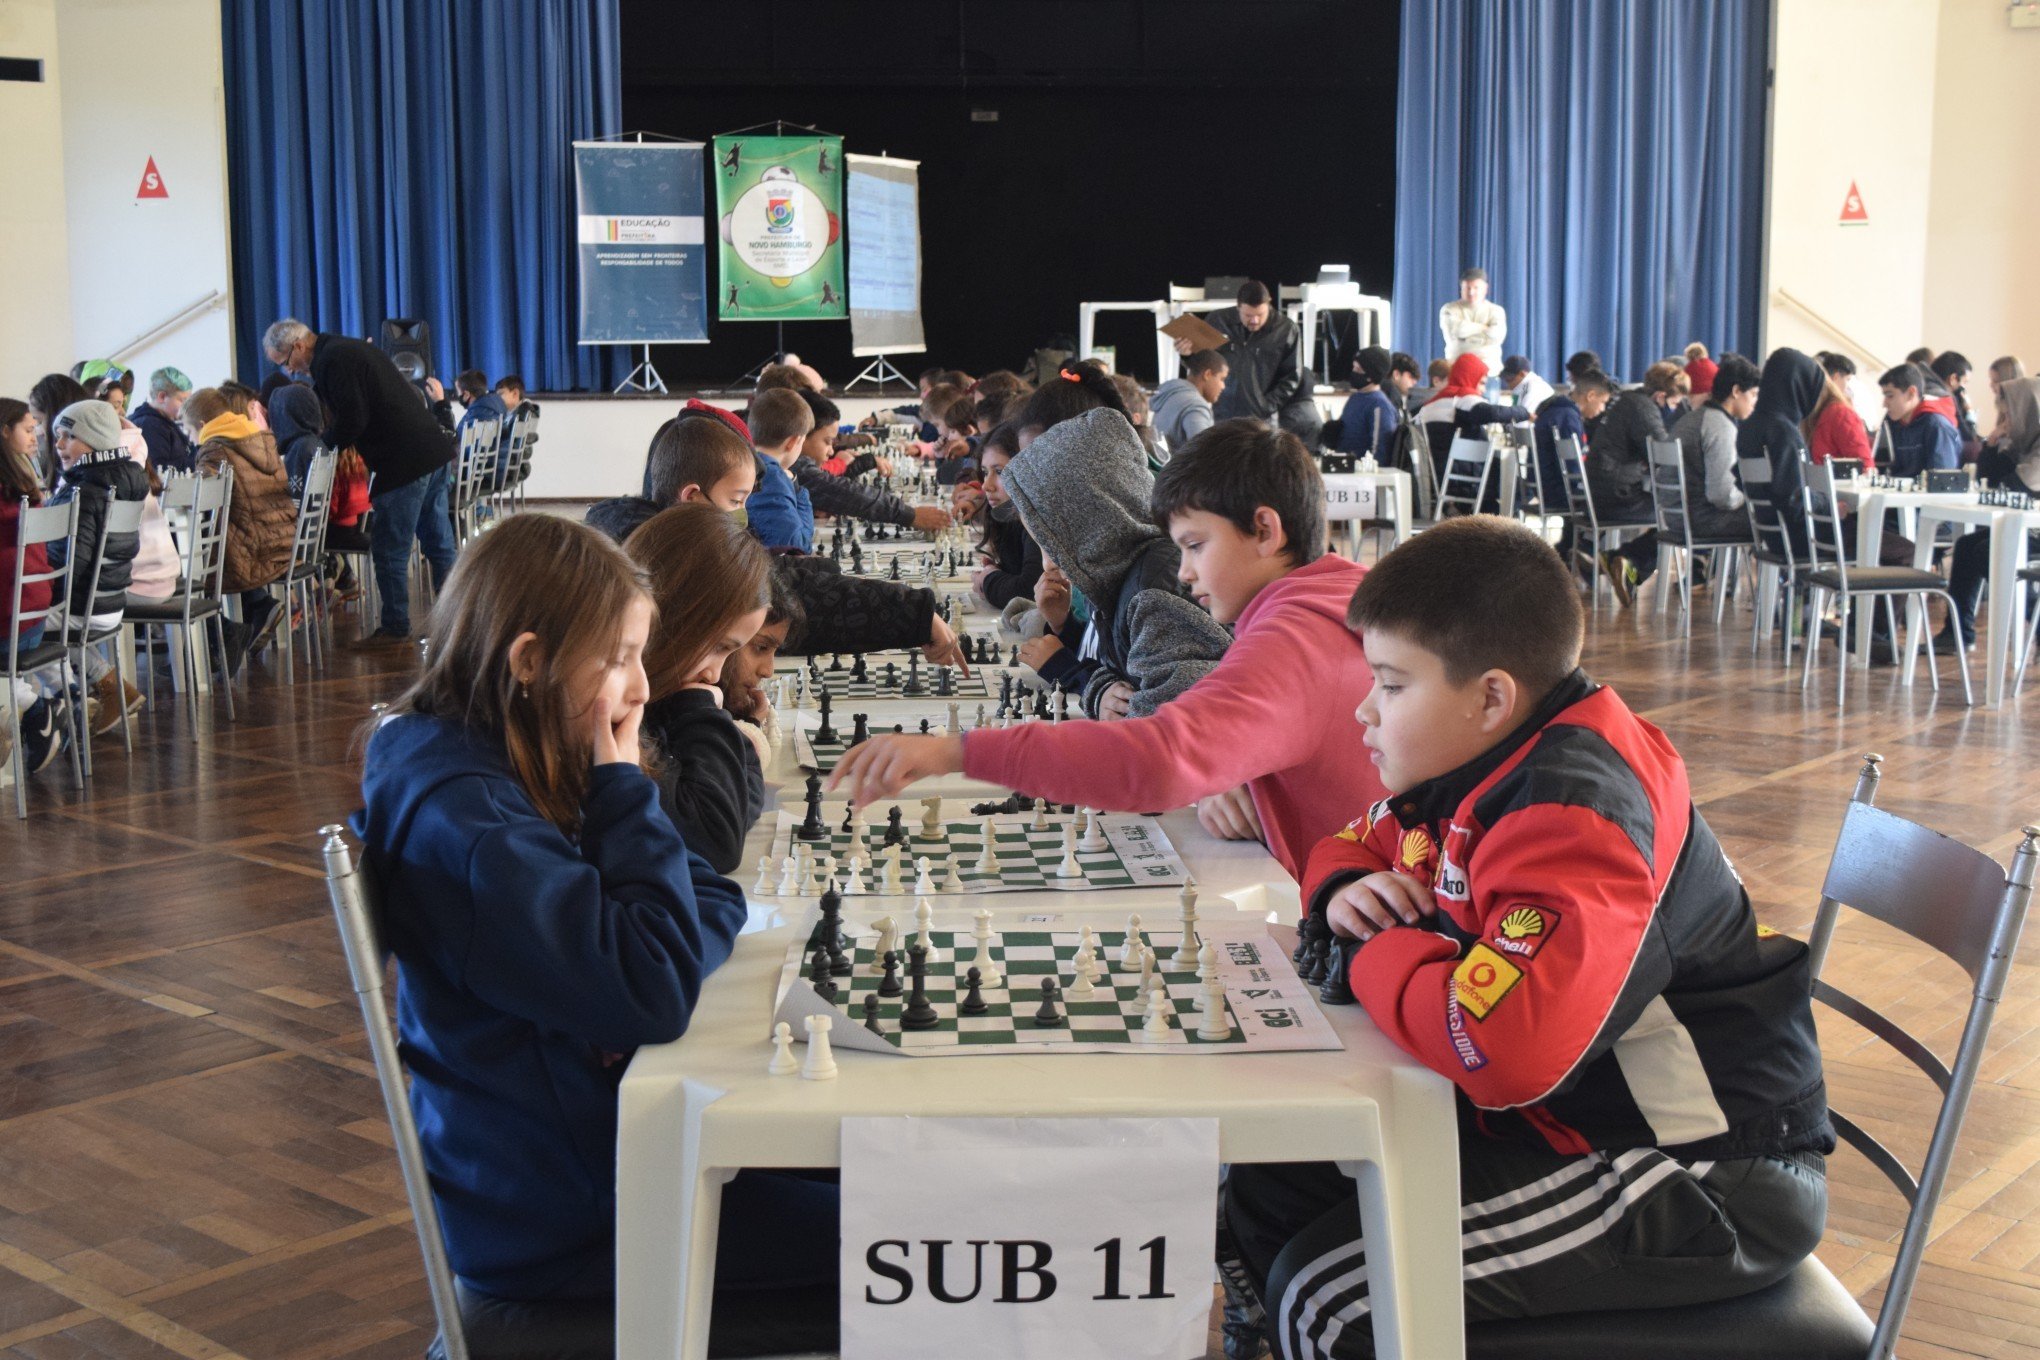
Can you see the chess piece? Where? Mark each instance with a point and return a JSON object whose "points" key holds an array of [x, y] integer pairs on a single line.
{"points": [[855, 882], [829, 934], [1147, 965], [924, 882], [913, 688], [918, 1014], [871, 1004], [982, 964], [895, 834], [783, 1063], [1186, 947], [819, 976], [1040, 822], [764, 883], [978, 726], [1069, 868], [1214, 1023], [835, 662], [951, 880], [1336, 987], [889, 879], [860, 729], [931, 811], [858, 671], [955, 727], [988, 855], [1048, 1017], [825, 733], [821, 1062], [1082, 988], [1160, 1015], [811, 828], [789, 882], [945, 682], [1130, 949], [973, 1002], [1094, 841], [1062, 703], [924, 929], [889, 983], [892, 675]]}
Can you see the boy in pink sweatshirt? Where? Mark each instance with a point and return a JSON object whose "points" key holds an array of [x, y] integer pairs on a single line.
{"points": [[1245, 506]]}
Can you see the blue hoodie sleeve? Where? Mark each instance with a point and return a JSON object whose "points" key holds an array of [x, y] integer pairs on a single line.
{"points": [[610, 943], [771, 511]]}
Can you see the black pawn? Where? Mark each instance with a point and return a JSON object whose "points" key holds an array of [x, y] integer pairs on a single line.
{"points": [[893, 572], [826, 732], [895, 832], [924, 727], [811, 828], [1041, 704], [835, 661], [860, 729], [1048, 1017], [819, 976], [918, 1014], [871, 1013], [973, 1002], [889, 985], [945, 682], [892, 675], [1014, 659], [857, 669]]}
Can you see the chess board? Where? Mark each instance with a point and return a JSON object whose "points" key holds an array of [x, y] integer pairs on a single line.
{"points": [[1137, 854], [1268, 1007], [821, 756], [979, 684]]}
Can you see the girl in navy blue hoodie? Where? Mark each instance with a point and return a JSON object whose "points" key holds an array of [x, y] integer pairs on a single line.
{"points": [[547, 920]]}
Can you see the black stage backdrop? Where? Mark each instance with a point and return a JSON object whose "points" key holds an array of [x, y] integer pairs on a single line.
{"points": [[1080, 150]]}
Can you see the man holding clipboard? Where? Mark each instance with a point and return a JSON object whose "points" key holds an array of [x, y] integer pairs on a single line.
{"points": [[1265, 353]]}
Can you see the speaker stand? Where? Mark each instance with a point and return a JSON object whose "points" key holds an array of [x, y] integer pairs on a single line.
{"points": [[649, 382], [878, 373]]}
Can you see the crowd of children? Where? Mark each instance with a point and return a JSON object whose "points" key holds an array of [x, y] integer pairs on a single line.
{"points": [[1523, 894]]}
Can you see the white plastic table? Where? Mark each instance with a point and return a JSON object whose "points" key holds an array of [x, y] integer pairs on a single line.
{"points": [[1342, 506], [1336, 297], [693, 1113], [2006, 630], [1087, 320], [1870, 503]]}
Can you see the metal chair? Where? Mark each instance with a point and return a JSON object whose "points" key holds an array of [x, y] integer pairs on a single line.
{"points": [[122, 517], [2028, 576], [1668, 493], [475, 475], [357, 913], [1590, 535], [307, 560], [196, 507], [1469, 464], [513, 461], [40, 526], [1831, 574], [1775, 559], [1947, 896]]}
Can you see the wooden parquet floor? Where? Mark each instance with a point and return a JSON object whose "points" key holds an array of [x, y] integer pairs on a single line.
{"points": [[193, 1156]]}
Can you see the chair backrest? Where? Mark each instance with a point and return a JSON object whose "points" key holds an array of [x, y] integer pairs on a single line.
{"points": [[1572, 465], [1767, 525], [1824, 521], [196, 507], [357, 911], [122, 517], [308, 540], [1960, 902], [38, 527], [1668, 489], [1468, 465], [1520, 443]]}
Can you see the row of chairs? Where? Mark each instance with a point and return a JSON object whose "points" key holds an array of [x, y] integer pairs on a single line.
{"points": [[493, 466]]}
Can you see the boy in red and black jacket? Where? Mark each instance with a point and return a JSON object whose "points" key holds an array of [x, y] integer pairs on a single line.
{"points": [[1538, 912]]}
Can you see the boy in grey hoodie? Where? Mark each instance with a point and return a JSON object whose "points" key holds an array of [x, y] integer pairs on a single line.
{"points": [[1082, 489]]}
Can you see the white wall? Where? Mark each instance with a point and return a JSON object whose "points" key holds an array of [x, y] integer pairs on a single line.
{"points": [[1853, 100], [1983, 227], [35, 281], [136, 261]]}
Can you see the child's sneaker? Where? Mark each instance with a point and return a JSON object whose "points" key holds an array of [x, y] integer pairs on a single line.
{"points": [[112, 697], [1621, 575], [42, 734]]}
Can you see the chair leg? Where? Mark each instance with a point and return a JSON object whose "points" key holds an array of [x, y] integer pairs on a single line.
{"points": [[289, 637], [14, 753], [227, 685], [83, 726], [127, 739], [1816, 602], [1961, 654], [80, 733], [1842, 665]]}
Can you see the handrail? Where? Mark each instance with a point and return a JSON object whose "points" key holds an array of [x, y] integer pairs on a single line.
{"points": [[1855, 344], [212, 301]]}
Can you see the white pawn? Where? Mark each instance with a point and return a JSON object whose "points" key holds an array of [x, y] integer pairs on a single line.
{"points": [[828, 872], [1094, 841], [804, 867], [1207, 972], [1088, 940], [1069, 868], [789, 876], [854, 883], [1159, 1013], [764, 883], [924, 882], [1130, 950], [1082, 987], [950, 881], [988, 972], [924, 928], [821, 1062], [1040, 822], [1215, 1024], [783, 1062], [988, 856], [978, 726]]}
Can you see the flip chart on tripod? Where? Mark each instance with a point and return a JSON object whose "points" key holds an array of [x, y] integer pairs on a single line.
{"points": [[883, 199]]}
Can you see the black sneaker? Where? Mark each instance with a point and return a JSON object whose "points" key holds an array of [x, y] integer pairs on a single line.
{"points": [[236, 636], [381, 640], [1946, 645], [42, 734], [263, 629]]}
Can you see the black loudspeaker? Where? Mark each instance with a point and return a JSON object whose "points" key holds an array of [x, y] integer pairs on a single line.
{"points": [[408, 342]]}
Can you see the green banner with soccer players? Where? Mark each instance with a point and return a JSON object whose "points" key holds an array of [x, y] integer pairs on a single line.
{"points": [[780, 201]]}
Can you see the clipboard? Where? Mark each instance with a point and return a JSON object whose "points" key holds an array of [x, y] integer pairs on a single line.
{"points": [[1200, 333]]}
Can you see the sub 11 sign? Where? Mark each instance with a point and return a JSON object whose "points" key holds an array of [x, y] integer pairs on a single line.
{"points": [[1077, 1239]]}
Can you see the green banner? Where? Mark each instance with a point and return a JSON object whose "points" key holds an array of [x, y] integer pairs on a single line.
{"points": [[781, 204]]}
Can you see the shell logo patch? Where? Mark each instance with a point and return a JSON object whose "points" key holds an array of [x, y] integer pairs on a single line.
{"points": [[1765, 932], [1414, 855], [1482, 979], [1522, 931]]}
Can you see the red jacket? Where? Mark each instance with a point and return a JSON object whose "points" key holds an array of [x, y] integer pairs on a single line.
{"points": [[1594, 977], [36, 595], [1839, 433]]}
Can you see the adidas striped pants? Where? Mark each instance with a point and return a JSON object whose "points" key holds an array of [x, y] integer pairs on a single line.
{"points": [[1541, 1233]]}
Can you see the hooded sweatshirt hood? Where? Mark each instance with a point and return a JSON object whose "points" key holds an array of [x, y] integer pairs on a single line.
{"points": [[1791, 386], [1324, 587], [1082, 488], [294, 413]]}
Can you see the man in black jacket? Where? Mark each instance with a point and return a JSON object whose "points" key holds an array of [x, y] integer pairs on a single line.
{"points": [[1264, 350], [372, 409]]}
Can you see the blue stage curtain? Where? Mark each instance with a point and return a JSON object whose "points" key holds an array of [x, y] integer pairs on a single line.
{"points": [[413, 158], [1603, 160]]}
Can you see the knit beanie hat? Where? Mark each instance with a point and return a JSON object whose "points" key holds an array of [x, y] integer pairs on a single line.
{"points": [[92, 421], [1702, 372], [1375, 364]]}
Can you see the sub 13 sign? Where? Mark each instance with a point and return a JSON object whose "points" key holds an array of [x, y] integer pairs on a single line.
{"points": [[1078, 1239]]}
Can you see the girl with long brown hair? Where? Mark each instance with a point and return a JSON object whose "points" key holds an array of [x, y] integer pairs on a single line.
{"points": [[711, 582], [546, 916]]}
